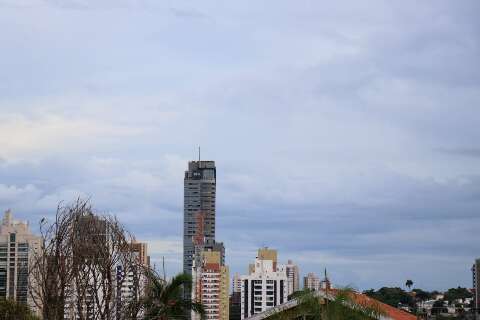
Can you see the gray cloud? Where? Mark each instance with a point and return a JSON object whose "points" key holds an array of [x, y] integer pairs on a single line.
{"points": [[344, 135]]}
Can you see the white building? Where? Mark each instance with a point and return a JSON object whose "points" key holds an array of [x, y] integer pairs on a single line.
{"points": [[17, 248], [265, 287]]}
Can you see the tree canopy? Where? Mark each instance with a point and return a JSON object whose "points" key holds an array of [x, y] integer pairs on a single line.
{"points": [[391, 296]]}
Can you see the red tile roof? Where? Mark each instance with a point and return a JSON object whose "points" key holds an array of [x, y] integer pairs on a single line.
{"points": [[389, 311]]}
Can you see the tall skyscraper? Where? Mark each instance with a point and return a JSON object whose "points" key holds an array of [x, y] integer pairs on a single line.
{"points": [[266, 285], [198, 208], [17, 247]]}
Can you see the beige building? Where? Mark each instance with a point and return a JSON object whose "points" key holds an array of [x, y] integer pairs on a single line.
{"points": [[211, 284], [312, 282], [236, 283], [18, 245], [268, 254]]}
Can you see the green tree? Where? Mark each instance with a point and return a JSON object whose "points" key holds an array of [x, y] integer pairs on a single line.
{"points": [[422, 295], [391, 296], [409, 284], [165, 299], [453, 294], [12, 310]]}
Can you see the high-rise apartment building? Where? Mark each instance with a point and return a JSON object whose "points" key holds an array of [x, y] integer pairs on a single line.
{"points": [[293, 277], [132, 282], [17, 248], [199, 208], [211, 286], [235, 298], [266, 285], [311, 282], [236, 283], [476, 286]]}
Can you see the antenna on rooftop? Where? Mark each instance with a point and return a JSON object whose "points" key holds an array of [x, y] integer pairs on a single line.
{"points": [[198, 153]]}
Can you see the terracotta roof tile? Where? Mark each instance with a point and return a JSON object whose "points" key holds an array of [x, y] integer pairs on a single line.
{"points": [[389, 311]]}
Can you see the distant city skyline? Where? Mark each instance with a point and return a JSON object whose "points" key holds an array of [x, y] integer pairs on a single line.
{"points": [[345, 134]]}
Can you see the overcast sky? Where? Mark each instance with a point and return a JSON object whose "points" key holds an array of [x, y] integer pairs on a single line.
{"points": [[346, 135]]}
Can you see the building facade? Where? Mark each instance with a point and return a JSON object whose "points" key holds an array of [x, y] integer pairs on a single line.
{"points": [[132, 282], [236, 283], [476, 286], [235, 298], [18, 245], [311, 282], [266, 285], [211, 286], [199, 208], [293, 277]]}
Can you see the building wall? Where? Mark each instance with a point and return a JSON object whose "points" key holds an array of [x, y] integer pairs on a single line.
{"points": [[236, 283], [211, 286], [312, 282], [199, 198], [293, 277], [224, 293], [263, 289], [17, 249], [476, 284]]}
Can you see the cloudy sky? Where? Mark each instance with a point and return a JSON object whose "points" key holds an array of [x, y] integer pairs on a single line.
{"points": [[346, 135]]}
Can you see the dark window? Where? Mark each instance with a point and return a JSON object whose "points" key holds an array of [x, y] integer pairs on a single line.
{"points": [[275, 293], [281, 291], [245, 297]]}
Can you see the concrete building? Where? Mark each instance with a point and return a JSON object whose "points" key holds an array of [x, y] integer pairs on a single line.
{"points": [[236, 283], [311, 282], [293, 277], [211, 286], [266, 285], [132, 282], [235, 298], [236, 306], [18, 245], [476, 286], [199, 207]]}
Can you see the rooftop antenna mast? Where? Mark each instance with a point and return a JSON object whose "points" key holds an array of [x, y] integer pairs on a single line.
{"points": [[198, 153]]}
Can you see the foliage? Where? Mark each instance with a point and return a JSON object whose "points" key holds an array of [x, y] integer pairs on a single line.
{"points": [[457, 293], [422, 295], [12, 310], [165, 300], [409, 283], [391, 296]]}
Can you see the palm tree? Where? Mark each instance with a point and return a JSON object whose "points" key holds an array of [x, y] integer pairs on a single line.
{"points": [[165, 300], [343, 306], [409, 284]]}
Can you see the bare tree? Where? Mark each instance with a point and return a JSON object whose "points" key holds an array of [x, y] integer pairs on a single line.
{"points": [[84, 260]]}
